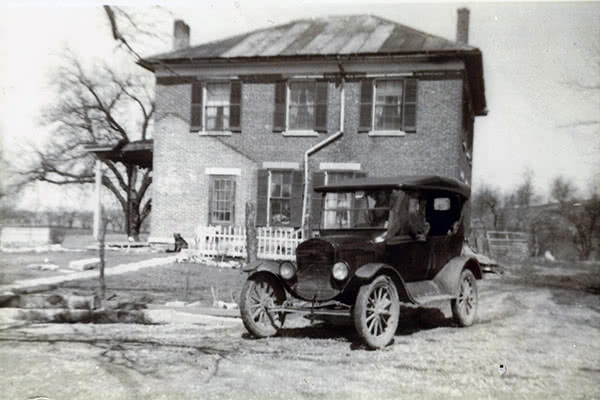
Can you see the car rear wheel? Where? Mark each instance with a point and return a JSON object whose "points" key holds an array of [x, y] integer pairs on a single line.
{"points": [[260, 294], [376, 312], [464, 307]]}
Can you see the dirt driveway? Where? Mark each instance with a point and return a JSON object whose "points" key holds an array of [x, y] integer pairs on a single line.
{"points": [[541, 324]]}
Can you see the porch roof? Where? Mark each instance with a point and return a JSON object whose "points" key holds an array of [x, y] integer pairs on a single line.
{"points": [[138, 152]]}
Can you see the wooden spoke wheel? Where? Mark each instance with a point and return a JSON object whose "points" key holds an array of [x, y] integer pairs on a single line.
{"points": [[260, 294], [464, 307], [376, 312]]}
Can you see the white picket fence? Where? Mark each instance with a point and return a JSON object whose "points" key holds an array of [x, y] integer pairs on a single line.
{"points": [[230, 241]]}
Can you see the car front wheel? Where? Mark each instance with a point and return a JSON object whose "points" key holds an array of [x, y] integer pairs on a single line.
{"points": [[464, 307], [376, 312], [260, 294]]}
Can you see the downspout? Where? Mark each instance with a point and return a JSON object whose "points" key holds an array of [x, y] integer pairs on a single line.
{"points": [[312, 150]]}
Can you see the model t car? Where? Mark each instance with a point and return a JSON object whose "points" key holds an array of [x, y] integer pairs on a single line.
{"points": [[381, 242]]}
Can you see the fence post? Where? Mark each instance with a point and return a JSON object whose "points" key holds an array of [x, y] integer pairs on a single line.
{"points": [[251, 239]]}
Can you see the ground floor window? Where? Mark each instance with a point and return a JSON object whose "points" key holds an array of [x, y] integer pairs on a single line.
{"points": [[280, 197], [222, 199], [338, 203]]}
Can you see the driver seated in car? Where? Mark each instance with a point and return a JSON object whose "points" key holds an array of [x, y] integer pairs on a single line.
{"points": [[407, 216]]}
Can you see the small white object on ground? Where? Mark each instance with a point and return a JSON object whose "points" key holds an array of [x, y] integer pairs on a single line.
{"points": [[548, 256], [43, 266], [85, 264], [225, 305], [175, 304]]}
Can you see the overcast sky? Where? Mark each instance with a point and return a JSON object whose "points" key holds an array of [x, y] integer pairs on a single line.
{"points": [[531, 51]]}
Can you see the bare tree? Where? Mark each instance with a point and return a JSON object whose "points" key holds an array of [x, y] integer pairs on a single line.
{"points": [[582, 216], [488, 199], [101, 107]]}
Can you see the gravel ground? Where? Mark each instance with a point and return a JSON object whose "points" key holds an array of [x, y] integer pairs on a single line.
{"points": [[541, 322]]}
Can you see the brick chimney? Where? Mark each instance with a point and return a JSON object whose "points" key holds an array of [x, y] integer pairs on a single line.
{"points": [[462, 26], [181, 35]]}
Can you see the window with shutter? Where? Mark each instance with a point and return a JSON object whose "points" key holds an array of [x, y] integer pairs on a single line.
{"points": [[321, 107], [279, 114], [318, 179], [366, 105], [388, 106], [216, 107], [235, 107], [410, 105], [300, 107], [196, 108], [262, 197]]}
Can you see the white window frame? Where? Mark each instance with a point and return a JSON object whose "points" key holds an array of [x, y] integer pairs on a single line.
{"points": [[212, 178], [269, 181], [297, 132], [393, 132], [204, 131]]}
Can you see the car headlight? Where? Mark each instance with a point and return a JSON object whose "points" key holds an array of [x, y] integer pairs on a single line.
{"points": [[340, 270], [287, 270]]}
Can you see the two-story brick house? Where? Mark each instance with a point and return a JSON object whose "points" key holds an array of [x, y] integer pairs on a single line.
{"points": [[267, 115]]}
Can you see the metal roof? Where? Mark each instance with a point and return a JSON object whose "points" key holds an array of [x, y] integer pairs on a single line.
{"points": [[333, 35], [421, 182]]}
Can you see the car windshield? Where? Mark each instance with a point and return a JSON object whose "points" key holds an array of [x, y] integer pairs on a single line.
{"points": [[356, 210]]}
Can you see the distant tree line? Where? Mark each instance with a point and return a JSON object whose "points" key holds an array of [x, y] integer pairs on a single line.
{"points": [[71, 219], [568, 225]]}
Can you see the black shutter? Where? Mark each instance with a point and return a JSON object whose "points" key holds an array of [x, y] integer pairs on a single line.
{"points": [[262, 197], [279, 109], [235, 107], [366, 105], [196, 107], [318, 179], [409, 106], [297, 195], [321, 107]]}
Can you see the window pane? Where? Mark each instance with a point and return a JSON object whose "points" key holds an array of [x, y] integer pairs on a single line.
{"points": [[223, 198], [217, 106], [302, 105], [281, 193], [388, 105]]}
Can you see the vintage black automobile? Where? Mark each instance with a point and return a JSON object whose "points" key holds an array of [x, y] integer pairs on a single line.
{"points": [[382, 242]]}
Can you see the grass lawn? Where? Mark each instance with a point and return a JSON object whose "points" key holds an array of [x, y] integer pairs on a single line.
{"points": [[159, 285], [13, 266]]}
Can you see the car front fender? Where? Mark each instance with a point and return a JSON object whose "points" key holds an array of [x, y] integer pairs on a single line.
{"points": [[449, 276], [369, 271], [262, 265]]}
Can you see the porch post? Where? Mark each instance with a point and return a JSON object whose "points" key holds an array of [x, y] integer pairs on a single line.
{"points": [[97, 205]]}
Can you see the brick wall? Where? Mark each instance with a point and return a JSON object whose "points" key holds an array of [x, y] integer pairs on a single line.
{"points": [[180, 185]]}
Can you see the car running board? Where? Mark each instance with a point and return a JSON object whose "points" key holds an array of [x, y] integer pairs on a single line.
{"points": [[423, 292]]}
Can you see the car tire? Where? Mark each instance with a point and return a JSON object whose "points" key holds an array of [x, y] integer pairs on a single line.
{"points": [[260, 292], [464, 307], [376, 312]]}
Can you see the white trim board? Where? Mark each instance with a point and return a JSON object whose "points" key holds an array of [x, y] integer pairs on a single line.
{"points": [[339, 166], [280, 165], [223, 171]]}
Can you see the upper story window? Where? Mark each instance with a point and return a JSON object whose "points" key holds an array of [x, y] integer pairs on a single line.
{"points": [[216, 107], [300, 107], [388, 106]]}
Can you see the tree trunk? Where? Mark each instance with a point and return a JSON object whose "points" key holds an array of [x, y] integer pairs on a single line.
{"points": [[104, 223], [251, 239]]}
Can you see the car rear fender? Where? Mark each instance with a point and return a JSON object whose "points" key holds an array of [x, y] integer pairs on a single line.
{"points": [[449, 276], [369, 271]]}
